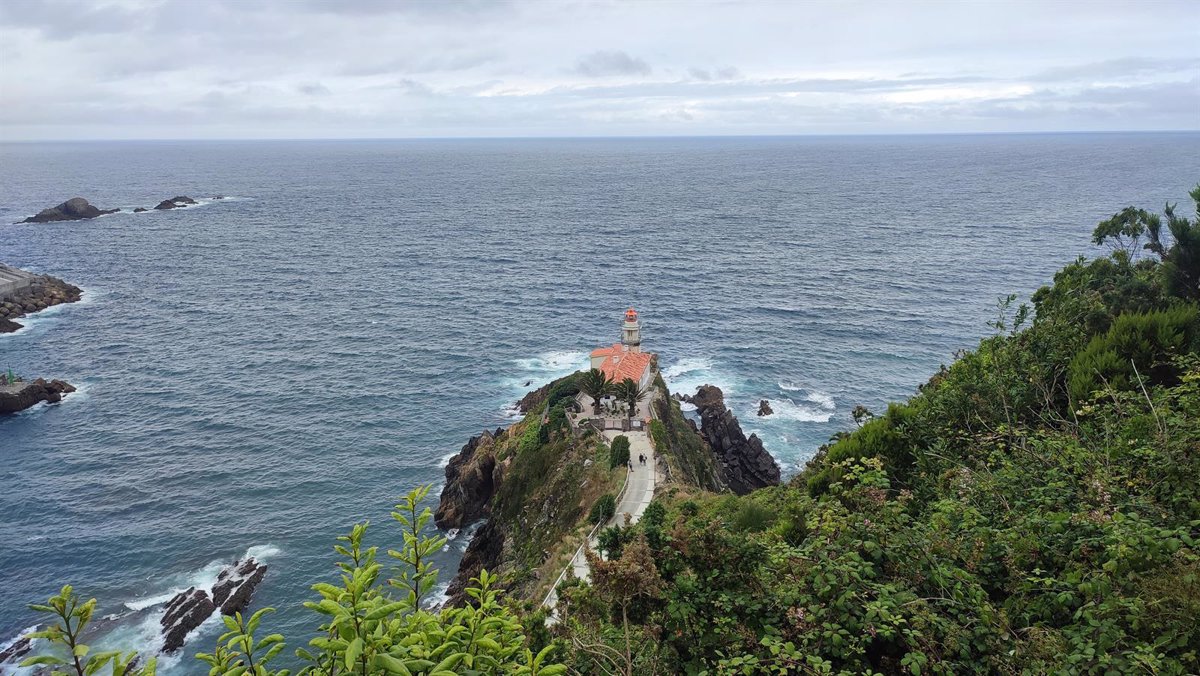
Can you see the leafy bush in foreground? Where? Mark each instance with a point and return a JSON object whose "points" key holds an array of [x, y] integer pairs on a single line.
{"points": [[371, 623]]}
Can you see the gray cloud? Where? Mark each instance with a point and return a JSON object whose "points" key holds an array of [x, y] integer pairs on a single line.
{"points": [[320, 68], [313, 89], [603, 63]]}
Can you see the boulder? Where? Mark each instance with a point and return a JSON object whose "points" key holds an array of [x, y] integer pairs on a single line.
{"points": [[74, 209], [745, 464], [182, 614], [138, 210], [764, 408], [236, 584], [471, 480]]}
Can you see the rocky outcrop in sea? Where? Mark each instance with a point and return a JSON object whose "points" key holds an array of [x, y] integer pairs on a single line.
{"points": [[231, 594], [79, 209], [745, 464], [22, 395], [175, 203], [74, 209]]}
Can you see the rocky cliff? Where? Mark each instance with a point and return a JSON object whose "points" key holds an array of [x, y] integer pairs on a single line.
{"points": [[745, 465], [471, 479]]}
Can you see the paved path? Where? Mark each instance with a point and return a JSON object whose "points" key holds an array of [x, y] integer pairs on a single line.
{"points": [[639, 491]]}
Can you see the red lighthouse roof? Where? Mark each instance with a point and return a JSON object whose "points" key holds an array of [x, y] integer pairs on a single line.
{"points": [[631, 315]]}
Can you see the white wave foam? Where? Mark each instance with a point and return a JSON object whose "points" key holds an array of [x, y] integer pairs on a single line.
{"points": [[686, 375], [686, 406], [821, 399], [202, 578], [558, 361], [786, 409], [687, 365]]}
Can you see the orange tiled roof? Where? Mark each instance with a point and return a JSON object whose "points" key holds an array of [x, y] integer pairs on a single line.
{"points": [[616, 348], [621, 365]]}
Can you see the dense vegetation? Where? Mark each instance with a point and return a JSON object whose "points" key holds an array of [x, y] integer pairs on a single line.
{"points": [[1032, 509]]}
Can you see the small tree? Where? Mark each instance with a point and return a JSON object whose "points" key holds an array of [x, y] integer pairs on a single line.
{"points": [[630, 392], [618, 452], [595, 385], [604, 509]]}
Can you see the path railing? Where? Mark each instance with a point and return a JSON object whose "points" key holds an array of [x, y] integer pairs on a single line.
{"points": [[571, 562]]}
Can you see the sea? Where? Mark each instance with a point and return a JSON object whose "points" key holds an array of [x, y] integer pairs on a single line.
{"points": [[258, 373]]}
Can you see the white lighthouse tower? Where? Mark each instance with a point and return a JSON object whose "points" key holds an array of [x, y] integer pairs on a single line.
{"points": [[631, 331]]}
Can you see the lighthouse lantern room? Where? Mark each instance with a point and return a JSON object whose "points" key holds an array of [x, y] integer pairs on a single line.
{"points": [[631, 331]]}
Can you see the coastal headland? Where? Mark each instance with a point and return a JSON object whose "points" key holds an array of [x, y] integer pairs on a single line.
{"points": [[590, 454]]}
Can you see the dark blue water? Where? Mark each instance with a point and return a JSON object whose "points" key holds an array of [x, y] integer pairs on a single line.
{"points": [[259, 373]]}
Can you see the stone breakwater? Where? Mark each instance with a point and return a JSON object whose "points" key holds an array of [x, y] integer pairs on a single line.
{"points": [[20, 396], [40, 293]]}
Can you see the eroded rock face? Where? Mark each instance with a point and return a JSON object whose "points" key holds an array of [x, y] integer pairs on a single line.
{"points": [[745, 464], [486, 551], [74, 209], [14, 398], [183, 613], [236, 584], [471, 480]]}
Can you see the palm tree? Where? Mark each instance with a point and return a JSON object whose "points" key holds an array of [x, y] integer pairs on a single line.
{"points": [[630, 392], [595, 385]]}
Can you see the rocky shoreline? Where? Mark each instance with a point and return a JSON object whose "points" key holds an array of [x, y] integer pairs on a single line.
{"points": [[44, 292]]}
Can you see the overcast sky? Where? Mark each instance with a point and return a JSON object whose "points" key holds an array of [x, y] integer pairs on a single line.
{"points": [[74, 69]]}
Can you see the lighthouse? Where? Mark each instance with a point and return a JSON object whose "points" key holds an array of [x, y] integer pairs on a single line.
{"points": [[631, 331]]}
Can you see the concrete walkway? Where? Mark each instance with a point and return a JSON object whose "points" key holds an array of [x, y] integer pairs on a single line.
{"points": [[639, 491]]}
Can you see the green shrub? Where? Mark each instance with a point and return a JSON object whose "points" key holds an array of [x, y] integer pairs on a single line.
{"points": [[884, 437], [531, 438], [618, 452], [604, 509], [753, 518], [1145, 340]]}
